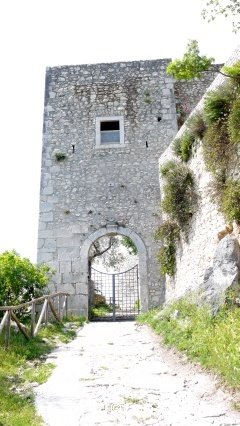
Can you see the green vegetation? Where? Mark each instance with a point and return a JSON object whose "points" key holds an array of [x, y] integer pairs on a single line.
{"points": [[23, 364], [178, 192], [191, 65], [127, 242], [101, 310], [234, 122], [230, 200], [183, 146], [217, 104], [217, 148], [196, 126], [169, 234], [21, 280], [230, 8], [60, 156], [214, 341]]}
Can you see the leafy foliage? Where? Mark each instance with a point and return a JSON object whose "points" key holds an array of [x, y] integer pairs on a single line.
{"points": [[169, 233], [183, 146], [215, 8], [178, 192], [234, 122], [127, 242], [233, 70], [191, 65], [217, 104], [230, 201], [214, 341], [21, 280], [111, 253]]}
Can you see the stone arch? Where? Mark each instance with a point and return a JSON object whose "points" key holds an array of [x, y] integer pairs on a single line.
{"points": [[142, 255]]}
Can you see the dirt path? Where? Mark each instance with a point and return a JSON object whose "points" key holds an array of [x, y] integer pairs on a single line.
{"points": [[120, 374]]}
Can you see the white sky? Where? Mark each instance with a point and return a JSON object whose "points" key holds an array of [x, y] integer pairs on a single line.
{"points": [[39, 33]]}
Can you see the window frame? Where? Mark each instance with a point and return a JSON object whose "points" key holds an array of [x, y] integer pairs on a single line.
{"points": [[99, 120]]}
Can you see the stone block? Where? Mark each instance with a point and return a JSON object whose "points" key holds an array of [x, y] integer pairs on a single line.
{"points": [[46, 217], [44, 257], [50, 243], [82, 288], [65, 266], [68, 253]]}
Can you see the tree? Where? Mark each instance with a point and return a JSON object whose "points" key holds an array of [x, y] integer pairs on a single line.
{"points": [[227, 8], [191, 65], [109, 250], [21, 280]]}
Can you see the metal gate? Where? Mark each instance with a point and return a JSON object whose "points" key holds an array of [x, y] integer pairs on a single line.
{"points": [[114, 296]]}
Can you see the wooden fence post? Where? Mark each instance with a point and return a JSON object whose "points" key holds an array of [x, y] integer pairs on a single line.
{"points": [[8, 328]]}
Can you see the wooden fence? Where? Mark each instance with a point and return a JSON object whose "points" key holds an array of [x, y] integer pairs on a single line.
{"points": [[55, 304]]}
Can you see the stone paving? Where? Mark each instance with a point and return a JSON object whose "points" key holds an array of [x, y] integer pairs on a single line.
{"points": [[120, 374]]}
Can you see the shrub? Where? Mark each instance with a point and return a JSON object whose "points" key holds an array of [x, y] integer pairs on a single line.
{"points": [[196, 126], [21, 280], [230, 201], [169, 233], [234, 122], [217, 104], [183, 147], [233, 71], [216, 148], [178, 192]]}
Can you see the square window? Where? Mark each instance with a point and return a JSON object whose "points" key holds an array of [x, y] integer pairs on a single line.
{"points": [[109, 132]]}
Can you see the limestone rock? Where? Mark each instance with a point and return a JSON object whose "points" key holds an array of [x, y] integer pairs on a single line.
{"points": [[223, 274]]}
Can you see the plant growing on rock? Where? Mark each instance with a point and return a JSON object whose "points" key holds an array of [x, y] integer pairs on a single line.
{"points": [[169, 234], [230, 201], [178, 192], [196, 126], [234, 122], [183, 147], [217, 148], [60, 156], [217, 104]]}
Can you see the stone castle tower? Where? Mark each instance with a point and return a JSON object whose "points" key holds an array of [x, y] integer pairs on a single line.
{"points": [[105, 127]]}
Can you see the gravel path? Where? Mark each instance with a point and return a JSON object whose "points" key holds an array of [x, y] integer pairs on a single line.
{"points": [[118, 373]]}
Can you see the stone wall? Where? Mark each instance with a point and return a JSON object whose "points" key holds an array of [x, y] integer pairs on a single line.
{"points": [[96, 188], [195, 255]]}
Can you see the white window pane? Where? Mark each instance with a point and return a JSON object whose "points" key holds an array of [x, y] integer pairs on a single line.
{"points": [[110, 136]]}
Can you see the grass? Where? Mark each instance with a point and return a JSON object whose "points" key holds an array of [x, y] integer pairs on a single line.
{"points": [[213, 341], [24, 363]]}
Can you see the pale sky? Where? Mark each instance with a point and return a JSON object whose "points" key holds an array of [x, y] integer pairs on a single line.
{"points": [[39, 33]]}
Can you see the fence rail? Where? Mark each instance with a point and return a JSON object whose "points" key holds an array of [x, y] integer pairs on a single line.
{"points": [[55, 303]]}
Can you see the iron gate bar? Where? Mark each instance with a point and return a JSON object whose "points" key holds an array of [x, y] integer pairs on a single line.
{"points": [[114, 296]]}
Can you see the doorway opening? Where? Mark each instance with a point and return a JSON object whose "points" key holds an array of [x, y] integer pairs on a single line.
{"points": [[114, 286]]}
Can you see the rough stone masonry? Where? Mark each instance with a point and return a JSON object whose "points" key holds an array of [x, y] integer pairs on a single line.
{"points": [[105, 127]]}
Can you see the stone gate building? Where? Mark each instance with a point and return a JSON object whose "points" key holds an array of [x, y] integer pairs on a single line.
{"points": [[105, 127]]}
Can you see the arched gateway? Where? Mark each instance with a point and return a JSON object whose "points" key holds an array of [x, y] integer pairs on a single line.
{"points": [[142, 255]]}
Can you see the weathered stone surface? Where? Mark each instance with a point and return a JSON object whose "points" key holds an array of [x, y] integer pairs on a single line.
{"points": [[98, 186], [223, 274]]}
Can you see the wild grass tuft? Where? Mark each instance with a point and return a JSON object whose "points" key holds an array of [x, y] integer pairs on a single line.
{"points": [[213, 341]]}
